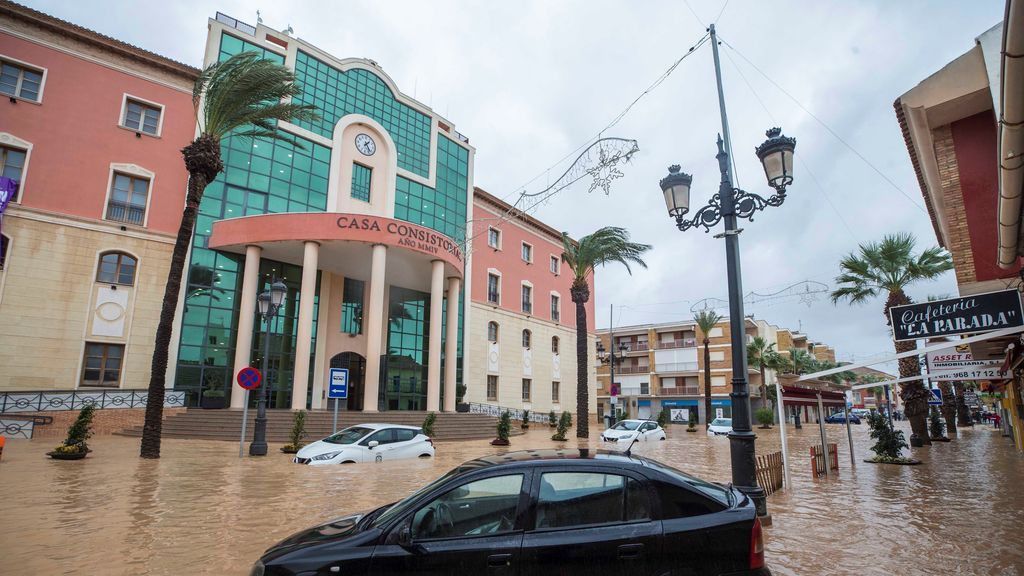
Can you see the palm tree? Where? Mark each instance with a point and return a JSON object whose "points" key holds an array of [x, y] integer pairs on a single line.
{"points": [[889, 267], [606, 245], [706, 321], [245, 96], [761, 355]]}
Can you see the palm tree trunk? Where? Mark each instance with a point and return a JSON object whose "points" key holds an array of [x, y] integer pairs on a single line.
{"points": [[580, 295], [707, 383], [913, 394], [202, 160], [962, 413], [764, 387], [948, 407]]}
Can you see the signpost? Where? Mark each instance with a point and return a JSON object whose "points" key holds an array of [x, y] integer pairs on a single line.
{"points": [[936, 398], [964, 315], [337, 388], [248, 378]]}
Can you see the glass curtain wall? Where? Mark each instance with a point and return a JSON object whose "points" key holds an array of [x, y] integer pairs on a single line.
{"points": [[405, 365]]}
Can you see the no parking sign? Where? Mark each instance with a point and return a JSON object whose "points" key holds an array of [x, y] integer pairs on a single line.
{"points": [[249, 378]]}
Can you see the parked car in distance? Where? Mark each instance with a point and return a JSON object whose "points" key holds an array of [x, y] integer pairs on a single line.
{"points": [[860, 412], [720, 427], [628, 430], [367, 443], [840, 418], [540, 513]]}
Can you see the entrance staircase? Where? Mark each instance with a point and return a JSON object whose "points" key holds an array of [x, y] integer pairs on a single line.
{"points": [[226, 424]]}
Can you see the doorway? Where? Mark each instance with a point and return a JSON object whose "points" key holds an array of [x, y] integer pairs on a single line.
{"points": [[356, 365]]}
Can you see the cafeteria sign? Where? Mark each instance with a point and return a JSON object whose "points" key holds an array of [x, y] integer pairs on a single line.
{"points": [[964, 315]]}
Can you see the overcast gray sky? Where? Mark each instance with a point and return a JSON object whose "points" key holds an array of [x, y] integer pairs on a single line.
{"points": [[528, 82]]}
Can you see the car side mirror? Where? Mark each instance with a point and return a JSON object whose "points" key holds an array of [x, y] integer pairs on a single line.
{"points": [[404, 534], [372, 444]]}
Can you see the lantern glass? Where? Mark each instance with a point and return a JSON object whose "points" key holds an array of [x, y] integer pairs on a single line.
{"points": [[778, 167], [263, 303], [676, 189], [278, 290]]}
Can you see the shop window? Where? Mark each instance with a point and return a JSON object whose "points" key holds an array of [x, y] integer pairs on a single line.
{"points": [[12, 165], [352, 306], [102, 364], [128, 197], [492, 387], [21, 81], [492, 332], [116, 268], [142, 116], [361, 178]]}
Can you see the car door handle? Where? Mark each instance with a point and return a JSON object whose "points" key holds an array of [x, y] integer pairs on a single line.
{"points": [[499, 560], [629, 551]]}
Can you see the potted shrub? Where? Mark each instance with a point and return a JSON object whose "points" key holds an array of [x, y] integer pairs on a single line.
{"points": [[428, 425], [504, 428], [298, 433], [663, 417], [564, 422], [526, 419], [889, 442], [212, 399], [936, 429], [552, 419], [74, 446], [692, 426], [765, 417], [460, 394]]}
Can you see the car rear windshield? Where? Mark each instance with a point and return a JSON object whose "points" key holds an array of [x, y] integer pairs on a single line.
{"points": [[348, 435], [713, 491], [626, 425]]}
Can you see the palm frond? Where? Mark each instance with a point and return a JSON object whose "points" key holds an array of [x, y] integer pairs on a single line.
{"points": [[889, 266], [707, 319], [604, 246]]}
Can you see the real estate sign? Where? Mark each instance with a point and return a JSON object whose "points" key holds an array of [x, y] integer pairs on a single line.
{"points": [[986, 372], [964, 315], [954, 358]]}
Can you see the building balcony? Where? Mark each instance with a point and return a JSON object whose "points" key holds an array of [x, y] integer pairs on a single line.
{"points": [[676, 367], [680, 391], [632, 369], [684, 343]]}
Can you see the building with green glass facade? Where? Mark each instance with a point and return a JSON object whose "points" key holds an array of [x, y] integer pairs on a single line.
{"points": [[363, 219]]}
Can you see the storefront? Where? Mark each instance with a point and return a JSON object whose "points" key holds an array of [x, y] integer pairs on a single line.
{"points": [[679, 411]]}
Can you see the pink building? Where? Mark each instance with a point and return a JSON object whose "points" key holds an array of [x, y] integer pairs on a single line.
{"points": [[522, 330], [91, 129]]}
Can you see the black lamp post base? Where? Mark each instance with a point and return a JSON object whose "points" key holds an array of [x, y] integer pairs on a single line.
{"points": [[756, 493], [258, 447]]}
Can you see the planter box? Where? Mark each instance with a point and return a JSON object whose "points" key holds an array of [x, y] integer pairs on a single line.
{"points": [[462, 407], [67, 455], [213, 403]]}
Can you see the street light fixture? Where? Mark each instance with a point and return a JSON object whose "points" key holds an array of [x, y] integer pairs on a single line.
{"points": [[728, 204], [268, 303], [610, 358]]}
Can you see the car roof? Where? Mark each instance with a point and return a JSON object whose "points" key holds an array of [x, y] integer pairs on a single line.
{"points": [[550, 457], [379, 425]]}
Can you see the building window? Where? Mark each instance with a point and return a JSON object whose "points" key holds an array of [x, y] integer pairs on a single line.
{"points": [[645, 388], [492, 387], [527, 253], [116, 268], [554, 392], [554, 265], [526, 338], [554, 344], [556, 308], [527, 383], [492, 332], [20, 81], [493, 288], [102, 364], [527, 299], [352, 306], [361, 176], [141, 117], [128, 196], [12, 165], [494, 238]]}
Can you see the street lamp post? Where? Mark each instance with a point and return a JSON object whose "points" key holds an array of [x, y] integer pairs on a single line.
{"points": [[730, 203], [269, 302], [610, 358]]}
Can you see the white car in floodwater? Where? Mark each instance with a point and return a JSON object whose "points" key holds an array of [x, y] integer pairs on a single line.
{"points": [[627, 430], [720, 427], [367, 443]]}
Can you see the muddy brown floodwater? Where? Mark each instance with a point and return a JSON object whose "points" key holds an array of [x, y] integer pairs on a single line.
{"points": [[202, 510]]}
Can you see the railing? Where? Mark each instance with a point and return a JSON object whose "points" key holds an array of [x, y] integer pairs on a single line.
{"points": [[515, 413], [818, 459], [55, 400], [676, 367], [681, 391], [120, 212], [236, 24], [16, 428], [637, 346], [769, 472], [633, 370], [684, 343]]}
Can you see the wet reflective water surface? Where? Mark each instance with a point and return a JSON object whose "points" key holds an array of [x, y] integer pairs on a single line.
{"points": [[201, 509]]}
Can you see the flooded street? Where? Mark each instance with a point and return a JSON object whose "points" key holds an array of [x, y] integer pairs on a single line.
{"points": [[201, 509]]}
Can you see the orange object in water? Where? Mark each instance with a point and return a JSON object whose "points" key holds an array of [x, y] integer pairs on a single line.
{"points": [[2, 442]]}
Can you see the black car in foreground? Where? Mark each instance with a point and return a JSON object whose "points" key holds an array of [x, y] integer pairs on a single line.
{"points": [[540, 512]]}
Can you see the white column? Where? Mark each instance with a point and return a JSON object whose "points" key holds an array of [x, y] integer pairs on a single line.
{"points": [[304, 334], [246, 316], [434, 348], [376, 316], [451, 349]]}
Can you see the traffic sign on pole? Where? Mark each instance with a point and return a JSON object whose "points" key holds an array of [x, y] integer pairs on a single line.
{"points": [[936, 398], [338, 386], [249, 378]]}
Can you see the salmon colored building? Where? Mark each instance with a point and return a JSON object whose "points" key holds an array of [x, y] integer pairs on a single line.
{"points": [[90, 129]]}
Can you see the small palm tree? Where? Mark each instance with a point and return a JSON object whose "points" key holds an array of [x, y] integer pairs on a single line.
{"points": [[606, 245], [888, 268], [706, 320], [761, 355], [245, 96]]}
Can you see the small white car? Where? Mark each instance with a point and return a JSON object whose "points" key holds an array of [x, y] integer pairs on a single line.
{"points": [[367, 443], [720, 427], [627, 430]]}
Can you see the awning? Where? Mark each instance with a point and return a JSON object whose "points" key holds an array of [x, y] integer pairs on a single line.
{"points": [[678, 403], [798, 396]]}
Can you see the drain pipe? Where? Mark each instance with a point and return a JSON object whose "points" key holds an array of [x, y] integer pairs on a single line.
{"points": [[1011, 134]]}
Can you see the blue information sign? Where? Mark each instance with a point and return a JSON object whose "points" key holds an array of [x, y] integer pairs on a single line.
{"points": [[936, 398], [338, 386]]}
